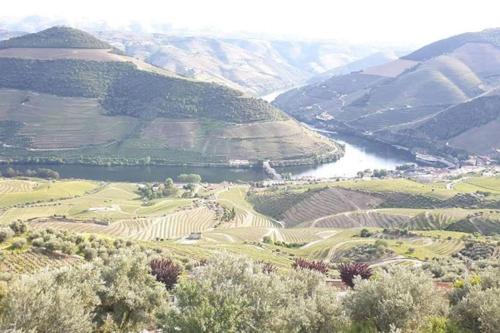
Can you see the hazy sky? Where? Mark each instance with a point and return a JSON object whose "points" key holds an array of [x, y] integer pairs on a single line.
{"points": [[374, 21]]}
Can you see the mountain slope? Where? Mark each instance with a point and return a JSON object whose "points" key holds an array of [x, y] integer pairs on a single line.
{"points": [[371, 60], [423, 100], [255, 66], [84, 103]]}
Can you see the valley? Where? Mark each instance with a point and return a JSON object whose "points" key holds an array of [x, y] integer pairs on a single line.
{"points": [[153, 182]]}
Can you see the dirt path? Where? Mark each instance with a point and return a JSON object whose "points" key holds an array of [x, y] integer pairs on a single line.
{"points": [[451, 185], [396, 260], [229, 238], [332, 250], [330, 234]]}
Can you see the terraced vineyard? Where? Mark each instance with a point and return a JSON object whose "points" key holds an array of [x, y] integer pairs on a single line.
{"points": [[300, 235], [327, 220], [172, 226], [13, 186], [178, 224], [30, 262], [357, 219]]}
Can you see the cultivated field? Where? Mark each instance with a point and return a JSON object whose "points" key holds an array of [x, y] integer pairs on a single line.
{"points": [[319, 221]]}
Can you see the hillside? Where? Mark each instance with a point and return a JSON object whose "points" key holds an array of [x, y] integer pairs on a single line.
{"points": [[375, 59], [429, 100], [68, 96], [56, 37], [255, 66]]}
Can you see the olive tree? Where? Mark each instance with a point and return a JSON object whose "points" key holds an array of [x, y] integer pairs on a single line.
{"points": [[476, 302], [398, 299], [234, 294], [51, 302], [130, 297]]}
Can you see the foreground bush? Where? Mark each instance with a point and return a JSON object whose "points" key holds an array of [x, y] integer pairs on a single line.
{"points": [[233, 294], [130, 297], [61, 301], [477, 302], [119, 295], [399, 299]]}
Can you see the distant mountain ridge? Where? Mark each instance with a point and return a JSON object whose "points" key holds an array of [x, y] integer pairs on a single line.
{"points": [[255, 66], [428, 101], [68, 96], [490, 36]]}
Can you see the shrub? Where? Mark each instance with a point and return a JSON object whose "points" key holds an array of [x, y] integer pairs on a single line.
{"points": [[5, 233], [189, 178], [18, 243], [268, 268], [365, 233], [37, 242], [89, 254], [53, 244], [130, 298], [35, 303], [232, 294], [165, 271], [398, 299], [349, 271], [312, 265], [18, 227], [477, 302], [267, 240]]}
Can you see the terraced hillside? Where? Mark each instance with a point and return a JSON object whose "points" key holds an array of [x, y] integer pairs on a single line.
{"points": [[387, 203], [328, 202], [440, 99], [118, 109], [335, 221]]}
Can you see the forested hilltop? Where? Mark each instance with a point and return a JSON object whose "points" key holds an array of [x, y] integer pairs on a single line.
{"points": [[123, 89], [56, 37]]}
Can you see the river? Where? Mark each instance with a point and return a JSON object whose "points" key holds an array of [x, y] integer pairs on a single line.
{"points": [[359, 155]]}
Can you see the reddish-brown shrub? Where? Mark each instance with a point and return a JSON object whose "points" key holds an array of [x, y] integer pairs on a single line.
{"points": [[349, 271], [319, 266], [165, 271]]}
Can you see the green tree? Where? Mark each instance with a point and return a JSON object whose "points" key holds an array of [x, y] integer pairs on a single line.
{"points": [[234, 294], [51, 302], [130, 297], [476, 302], [401, 298], [189, 178]]}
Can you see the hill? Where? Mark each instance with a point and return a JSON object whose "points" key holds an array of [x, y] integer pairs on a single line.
{"points": [[255, 66], [427, 101], [375, 59], [65, 97], [56, 37]]}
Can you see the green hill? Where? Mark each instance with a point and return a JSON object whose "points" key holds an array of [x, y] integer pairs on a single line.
{"points": [[90, 104], [56, 37]]}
